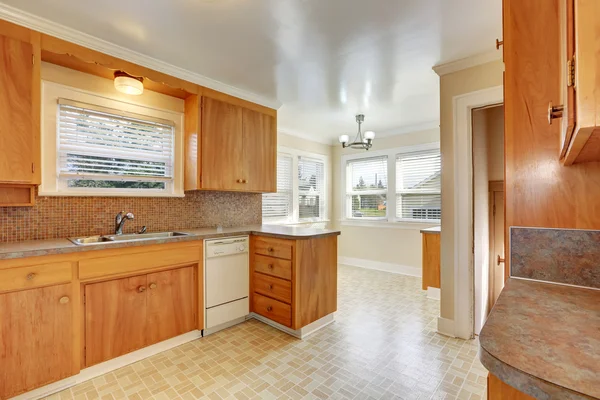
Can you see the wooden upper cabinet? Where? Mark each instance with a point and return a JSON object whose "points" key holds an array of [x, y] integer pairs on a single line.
{"points": [[36, 338], [16, 111], [579, 105], [115, 318], [260, 151], [229, 146]]}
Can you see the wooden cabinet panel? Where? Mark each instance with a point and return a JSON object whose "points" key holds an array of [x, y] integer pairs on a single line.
{"points": [[35, 276], [273, 266], [171, 304], [260, 152], [272, 309], [431, 260], [273, 247], [16, 111], [276, 288], [115, 318], [498, 390], [222, 146], [36, 338]]}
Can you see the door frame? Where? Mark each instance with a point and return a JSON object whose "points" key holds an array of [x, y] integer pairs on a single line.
{"points": [[464, 290], [494, 187]]}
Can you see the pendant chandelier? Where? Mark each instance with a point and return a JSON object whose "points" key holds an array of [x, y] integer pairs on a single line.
{"points": [[360, 142]]}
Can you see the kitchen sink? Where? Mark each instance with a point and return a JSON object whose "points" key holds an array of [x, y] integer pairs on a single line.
{"points": [[132, 237]]}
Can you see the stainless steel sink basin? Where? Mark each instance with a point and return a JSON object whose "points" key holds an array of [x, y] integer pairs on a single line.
{"points": [[132, 237]]}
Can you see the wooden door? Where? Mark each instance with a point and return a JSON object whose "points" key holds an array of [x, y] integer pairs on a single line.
{"points": [[36, 338], [567, 85], [16, 111], [115, 318], [171, 304], [260, 152], [222, 145], [497, 256]]}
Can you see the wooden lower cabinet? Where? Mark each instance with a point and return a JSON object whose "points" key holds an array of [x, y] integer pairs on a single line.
{"points": [[498, 390], [124, 315], [431, 260], [115, 318], [36, 338]]}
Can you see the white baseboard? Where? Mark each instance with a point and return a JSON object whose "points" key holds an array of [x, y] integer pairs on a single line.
{"points": [[108, 366], [434, 293], [446, 327], [381, 266], [301, 333]]}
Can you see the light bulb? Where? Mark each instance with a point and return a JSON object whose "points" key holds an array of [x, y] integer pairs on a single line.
{"points": [[370, 135], [344, 139]]}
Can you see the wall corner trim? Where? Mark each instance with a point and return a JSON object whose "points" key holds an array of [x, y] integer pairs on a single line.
{"points": [[381, 266], [468, 62]]}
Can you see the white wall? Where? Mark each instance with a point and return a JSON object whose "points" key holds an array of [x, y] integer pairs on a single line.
{"points": [[390, 248]]}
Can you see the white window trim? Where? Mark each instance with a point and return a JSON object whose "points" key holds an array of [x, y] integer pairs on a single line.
{"points": [[294, 220], [390, 220], [53, 186]]}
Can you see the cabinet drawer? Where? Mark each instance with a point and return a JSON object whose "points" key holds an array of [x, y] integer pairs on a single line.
{"points": [[272, 309], [35, 276], [273, 287], [273, 266], [273, 248]]}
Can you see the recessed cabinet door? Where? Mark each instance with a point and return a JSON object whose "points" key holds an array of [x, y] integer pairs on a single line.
{"points": [[171, 304], [115, 318], [16, 127], [260, 152], [222, 165], [36, 338]]}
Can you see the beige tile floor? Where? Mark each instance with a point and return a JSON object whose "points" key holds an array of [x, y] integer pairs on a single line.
{"points": [[383, 345]]}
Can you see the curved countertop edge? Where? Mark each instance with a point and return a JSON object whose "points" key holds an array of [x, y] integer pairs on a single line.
{"points": [[524, 382], [34, 248]]}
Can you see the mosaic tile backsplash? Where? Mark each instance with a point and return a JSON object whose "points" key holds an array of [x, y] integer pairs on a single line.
{"points": [[60, 217], [568, 256]]}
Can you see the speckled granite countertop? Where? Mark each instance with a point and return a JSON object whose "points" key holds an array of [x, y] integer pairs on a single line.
{"points": [[33, 248], [435, 229], [544, 340]]}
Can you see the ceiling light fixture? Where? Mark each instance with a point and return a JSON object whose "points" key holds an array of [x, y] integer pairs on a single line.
{"points": [[360, 142], [128, 84]]}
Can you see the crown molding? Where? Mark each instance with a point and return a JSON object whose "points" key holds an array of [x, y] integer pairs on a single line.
{"points": [[48, 27], [463, 63]]}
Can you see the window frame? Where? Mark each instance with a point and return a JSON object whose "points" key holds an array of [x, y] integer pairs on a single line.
{"points": [[294, 219], [390, 220], [54, 185]]}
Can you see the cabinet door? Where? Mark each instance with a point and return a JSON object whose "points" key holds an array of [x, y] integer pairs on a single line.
{"points": [[115, 318], [171, 304], [16, 111], [36, 338], [567, 85], [222, 165], [260, 152]]}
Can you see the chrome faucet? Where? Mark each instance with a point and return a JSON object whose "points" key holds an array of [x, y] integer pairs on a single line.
{"points": [[120, 221]]}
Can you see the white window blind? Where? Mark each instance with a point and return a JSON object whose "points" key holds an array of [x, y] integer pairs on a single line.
{"points": [[105, 148], [311, 182], [418, 185], [366, 188], [279, 206]]}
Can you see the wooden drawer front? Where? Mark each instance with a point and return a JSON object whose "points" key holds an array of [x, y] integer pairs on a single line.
{"points": [[273, 266], [274, 248], [272, 309], [35, 276], [134, 262], [273, 287]]}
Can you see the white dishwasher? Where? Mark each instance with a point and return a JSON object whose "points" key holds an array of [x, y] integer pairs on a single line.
{"points": [[226, 282]]}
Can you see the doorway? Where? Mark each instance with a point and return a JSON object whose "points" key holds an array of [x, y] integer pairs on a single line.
{"points": [[488, 208]]}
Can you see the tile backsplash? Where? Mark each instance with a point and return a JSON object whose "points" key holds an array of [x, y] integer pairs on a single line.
{"points": [[59, 217], [569, 256]]}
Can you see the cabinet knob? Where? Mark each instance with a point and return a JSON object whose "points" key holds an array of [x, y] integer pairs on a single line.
{"points": [[269, 309], [153, 286], [244, 181], [499, 43], [554, 112], [270, 249], [500, 260], [64, 300], [239, 181], [30, 276], [141, 289], [270, 287], [270, 266]]}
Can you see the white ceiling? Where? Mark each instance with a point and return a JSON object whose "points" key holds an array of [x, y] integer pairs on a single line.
{"points": [[325, 60]]}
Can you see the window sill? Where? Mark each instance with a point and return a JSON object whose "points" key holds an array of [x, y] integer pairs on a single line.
{"points": [[417, 225]]}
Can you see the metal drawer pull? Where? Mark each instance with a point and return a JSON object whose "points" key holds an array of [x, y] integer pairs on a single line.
{"points": [[63, 300], [153, 286], [554, 112], [269, 309], [141, 289], [30, 276]]}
